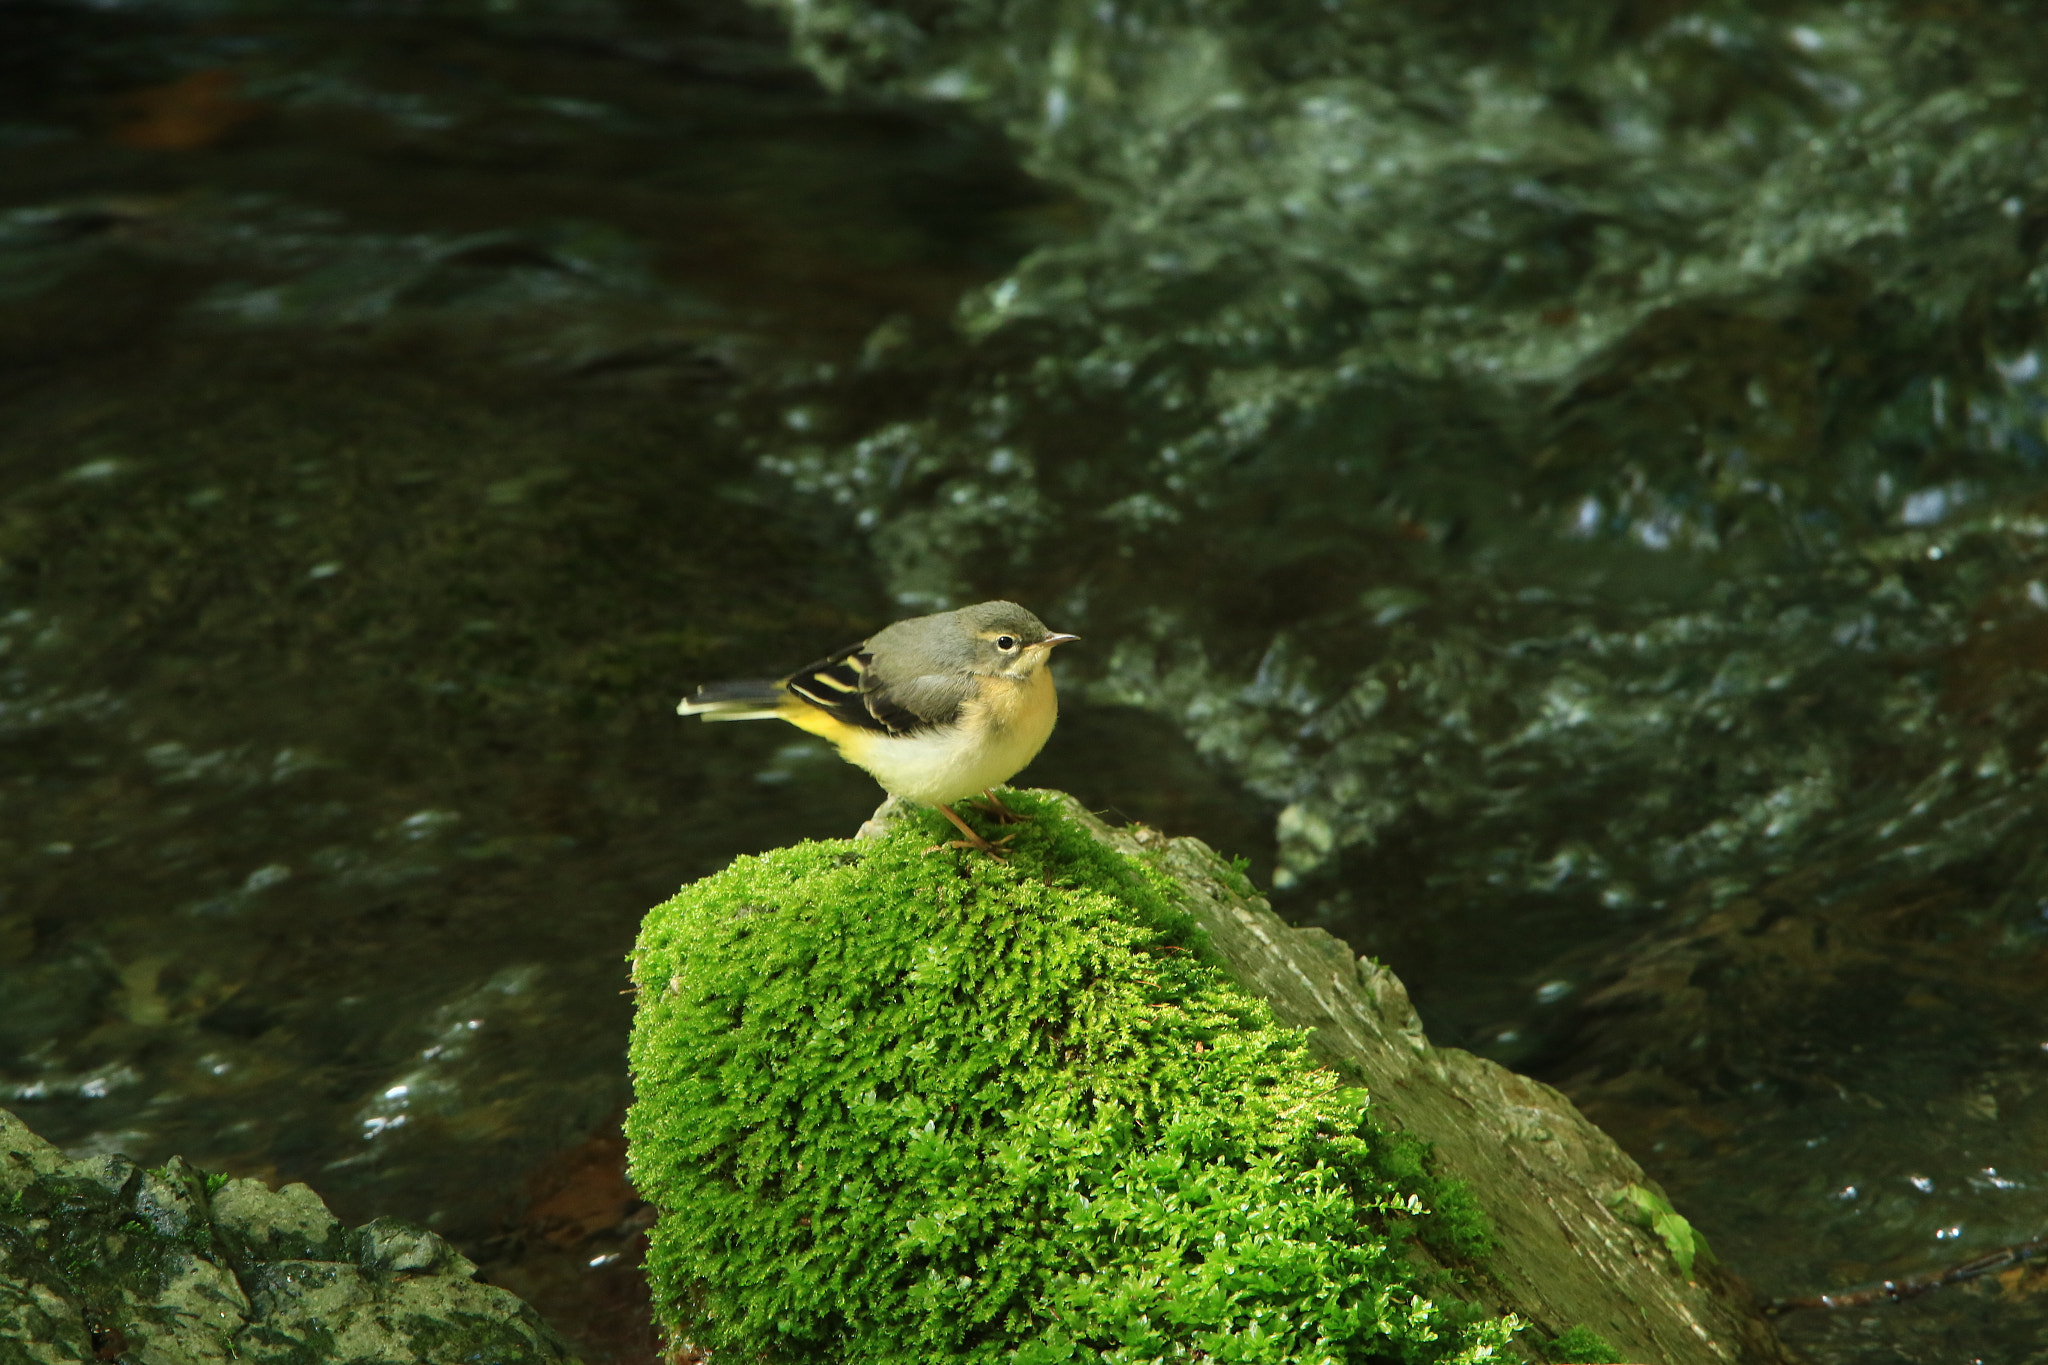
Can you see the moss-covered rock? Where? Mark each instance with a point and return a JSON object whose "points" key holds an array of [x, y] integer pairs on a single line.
{"points": [[902, 1104], [102, 1260]]}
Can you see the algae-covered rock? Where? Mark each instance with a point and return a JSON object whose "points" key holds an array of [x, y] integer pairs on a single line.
{"points": [[895, 1103], [102, 1260]]}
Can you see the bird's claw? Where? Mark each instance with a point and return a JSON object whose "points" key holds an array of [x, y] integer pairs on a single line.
{"points": [[988, 804], [974, 839]]}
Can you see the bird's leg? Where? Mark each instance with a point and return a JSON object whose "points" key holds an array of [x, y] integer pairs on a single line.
{"points": [[996, 810], [973, 840]]}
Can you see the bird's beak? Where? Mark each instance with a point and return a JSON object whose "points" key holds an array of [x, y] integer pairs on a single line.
{"points": [[1057, 639]]}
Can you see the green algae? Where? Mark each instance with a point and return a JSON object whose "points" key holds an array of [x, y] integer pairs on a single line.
{"points": [[897, 1103]]}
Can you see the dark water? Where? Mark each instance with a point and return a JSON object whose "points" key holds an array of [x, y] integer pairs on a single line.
{"points": [[1564, 488]]}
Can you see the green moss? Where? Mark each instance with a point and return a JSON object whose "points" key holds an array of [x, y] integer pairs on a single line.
{"points": [[1584, 1346], [1457, 1228], [906, 1105]]}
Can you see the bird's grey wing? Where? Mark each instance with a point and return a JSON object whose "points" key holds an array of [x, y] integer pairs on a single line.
{"points": [[917, 672], [843, 684], [918, 702]]}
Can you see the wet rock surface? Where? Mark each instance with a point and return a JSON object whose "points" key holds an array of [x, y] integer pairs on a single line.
{"points": [[104, 1260]]}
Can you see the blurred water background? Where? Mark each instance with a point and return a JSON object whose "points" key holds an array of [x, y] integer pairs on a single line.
{"points": [[1563, 489]]}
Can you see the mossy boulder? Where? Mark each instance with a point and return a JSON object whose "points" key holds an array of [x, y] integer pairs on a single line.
{"points": [[1098, 1103], [103, 1260], [899, 1104]]}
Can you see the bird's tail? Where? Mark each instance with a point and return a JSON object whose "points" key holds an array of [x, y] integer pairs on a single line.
{"points": [[747, 699]]}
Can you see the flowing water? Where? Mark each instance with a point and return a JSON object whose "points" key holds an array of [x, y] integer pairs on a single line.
{"points": [[1563, 489]]}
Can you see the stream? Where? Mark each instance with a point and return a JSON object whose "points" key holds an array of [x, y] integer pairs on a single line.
{"points": [[1562, 490]]}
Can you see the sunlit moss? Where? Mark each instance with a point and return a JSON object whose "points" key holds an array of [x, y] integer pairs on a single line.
{"points": [[1583, 1346], [901, 1104]]}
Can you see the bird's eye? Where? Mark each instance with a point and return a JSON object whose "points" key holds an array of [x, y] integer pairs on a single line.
{"points": [[1006, 643]]}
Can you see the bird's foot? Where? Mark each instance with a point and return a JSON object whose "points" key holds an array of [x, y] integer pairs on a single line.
{"points": [[974, 839], [988, 804]]}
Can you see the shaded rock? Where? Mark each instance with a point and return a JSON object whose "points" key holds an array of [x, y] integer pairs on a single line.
{"points": [[103, 1260], [391, 1246], [269, 1225]]}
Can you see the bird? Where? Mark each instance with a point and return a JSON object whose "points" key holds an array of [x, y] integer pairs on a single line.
{"points": [[935, 708]]}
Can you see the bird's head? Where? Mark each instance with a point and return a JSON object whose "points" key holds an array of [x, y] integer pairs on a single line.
{"points": [[1004, 640]]}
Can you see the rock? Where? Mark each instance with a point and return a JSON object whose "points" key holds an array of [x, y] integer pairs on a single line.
{"points": [[275, 1225], [102, 1260], [897, 1102], [390, 1246]]}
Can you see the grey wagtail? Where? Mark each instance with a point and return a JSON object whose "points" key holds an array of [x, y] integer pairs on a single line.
{"points": [[935, 708]]}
